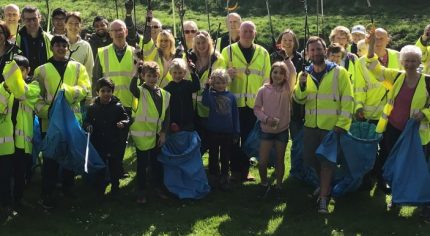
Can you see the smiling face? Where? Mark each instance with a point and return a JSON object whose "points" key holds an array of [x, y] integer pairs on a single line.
{"points": [[278, 76], [11, 15], [59, 22], [177, 74], [59, 50], [287, 42], [410, 61], [31, 22], [73, 26], [101, 28], [219, 84], [155, 29], [105, 94], [201, 45], [247, 34], [118, 32], [316, 52]]}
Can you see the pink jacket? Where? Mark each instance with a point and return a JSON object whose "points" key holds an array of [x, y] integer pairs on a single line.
{"points": [[274, 102]]}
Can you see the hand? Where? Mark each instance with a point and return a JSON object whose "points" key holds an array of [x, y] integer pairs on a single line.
{"points": [[129, 6], [192, 66], [426, 33], [89, 128], [282, 53], [149, 16], [303, 79], [371, 38], [271, 122], [120, 125], [161, 139], [359, 114], [6, 87], [339, 130], [419, 116], [232, 72]]}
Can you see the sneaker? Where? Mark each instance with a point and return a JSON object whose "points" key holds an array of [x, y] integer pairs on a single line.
{"points": [[323, 205]]}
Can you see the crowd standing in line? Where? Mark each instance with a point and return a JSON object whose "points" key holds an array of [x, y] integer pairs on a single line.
{"points": [[124, 87]]}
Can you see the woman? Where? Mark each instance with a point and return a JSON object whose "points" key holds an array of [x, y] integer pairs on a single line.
{"points": [[83, 53], [190, 30], [342, 36], [7, 50], [408, 98], [206, 60], [166, 52]]}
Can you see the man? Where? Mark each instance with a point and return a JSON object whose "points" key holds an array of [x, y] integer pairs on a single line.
{"points": [[32, 40], [116, 63], [423, 44], [249, 67], [233, 22], [58, 21], [325, 90], [100, 38], [11, 17], [371, 96], [76, 84]]}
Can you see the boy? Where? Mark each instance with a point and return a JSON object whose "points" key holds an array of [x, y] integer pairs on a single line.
{"points": [[223, 127], [73, 78], [335, 53], [151, 120], [105, 119], [181, 104], [16, 130]]}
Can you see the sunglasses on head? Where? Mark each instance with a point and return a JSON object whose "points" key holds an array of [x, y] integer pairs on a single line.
{"points": [[190, 31]]}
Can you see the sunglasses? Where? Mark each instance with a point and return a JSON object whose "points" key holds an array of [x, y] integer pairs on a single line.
{"points": [[190, 31], [155, 26]]}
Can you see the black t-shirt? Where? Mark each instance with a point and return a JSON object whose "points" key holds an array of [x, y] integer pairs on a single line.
{"points": [[60, 66], [248, 53]]}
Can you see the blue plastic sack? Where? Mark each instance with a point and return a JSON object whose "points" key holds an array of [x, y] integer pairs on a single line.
{"points": [[184, 174], [36, 141], [65, 141], [251, 146], [354, 153], [406, 169]]}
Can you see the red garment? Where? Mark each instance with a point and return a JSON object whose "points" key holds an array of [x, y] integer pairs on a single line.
{"points": [[402, 107], [384, 60]]}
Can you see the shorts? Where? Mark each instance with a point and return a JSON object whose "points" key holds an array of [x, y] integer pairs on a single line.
{"points": [[280, 137]]}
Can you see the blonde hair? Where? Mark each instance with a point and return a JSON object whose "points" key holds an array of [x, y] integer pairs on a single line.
{"points": [[220, 74], [178, 63], [340, 29], [207, 37], [167, 34]]}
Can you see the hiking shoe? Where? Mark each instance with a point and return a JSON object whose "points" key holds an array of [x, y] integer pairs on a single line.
{"points": [[323, 205]]}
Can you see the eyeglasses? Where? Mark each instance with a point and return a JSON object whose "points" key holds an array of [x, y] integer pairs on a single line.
{"points": [[190, 31], [155, 26], [31, 19]]}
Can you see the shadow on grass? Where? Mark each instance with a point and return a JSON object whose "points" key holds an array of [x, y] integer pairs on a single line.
{"points": [[239, 212]]}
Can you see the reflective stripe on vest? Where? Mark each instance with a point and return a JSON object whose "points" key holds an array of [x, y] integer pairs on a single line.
{"points": [[142, 134], [6, 140]]}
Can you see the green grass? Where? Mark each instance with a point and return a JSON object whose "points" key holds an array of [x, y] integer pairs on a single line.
{"points": [[239, 212]]}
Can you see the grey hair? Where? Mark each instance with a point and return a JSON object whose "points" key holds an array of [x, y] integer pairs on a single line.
{"points": [[410, 49]]}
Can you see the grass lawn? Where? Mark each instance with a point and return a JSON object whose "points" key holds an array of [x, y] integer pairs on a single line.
{"points": [[239, 212]]}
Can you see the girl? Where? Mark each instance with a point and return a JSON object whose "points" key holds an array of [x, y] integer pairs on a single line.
{"points": [[272, 108]]}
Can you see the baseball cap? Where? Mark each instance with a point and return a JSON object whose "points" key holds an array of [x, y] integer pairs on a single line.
{"points": [[358, 29]]}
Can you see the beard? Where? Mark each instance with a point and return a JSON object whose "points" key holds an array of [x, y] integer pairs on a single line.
{"points": [[318, 60]]}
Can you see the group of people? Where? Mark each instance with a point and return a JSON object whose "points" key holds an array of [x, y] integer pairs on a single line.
{"points": [[121, 84]]}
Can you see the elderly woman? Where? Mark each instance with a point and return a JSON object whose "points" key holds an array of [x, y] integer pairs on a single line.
{"points": [[83, 53], [408, 98], [206, 59]]}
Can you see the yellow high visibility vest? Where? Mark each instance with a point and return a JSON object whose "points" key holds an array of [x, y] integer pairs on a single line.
{"points": [[250, 77], [76, 85], [420, 102], [46, 38], [202, 110], [21, 136], [120, 72], [330, 104], [425, 59], [147, 121], [149, 49]]}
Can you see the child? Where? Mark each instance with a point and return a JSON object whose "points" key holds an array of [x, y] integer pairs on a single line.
{"points": [[335, 53], [272, 108], [105, 119], [16, 131], [181, 102], [151, 120], [223, 127]]}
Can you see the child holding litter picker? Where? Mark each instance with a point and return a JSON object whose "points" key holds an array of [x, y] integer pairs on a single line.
{"points": [[272, 108], [150, 124], [105, 120]]}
